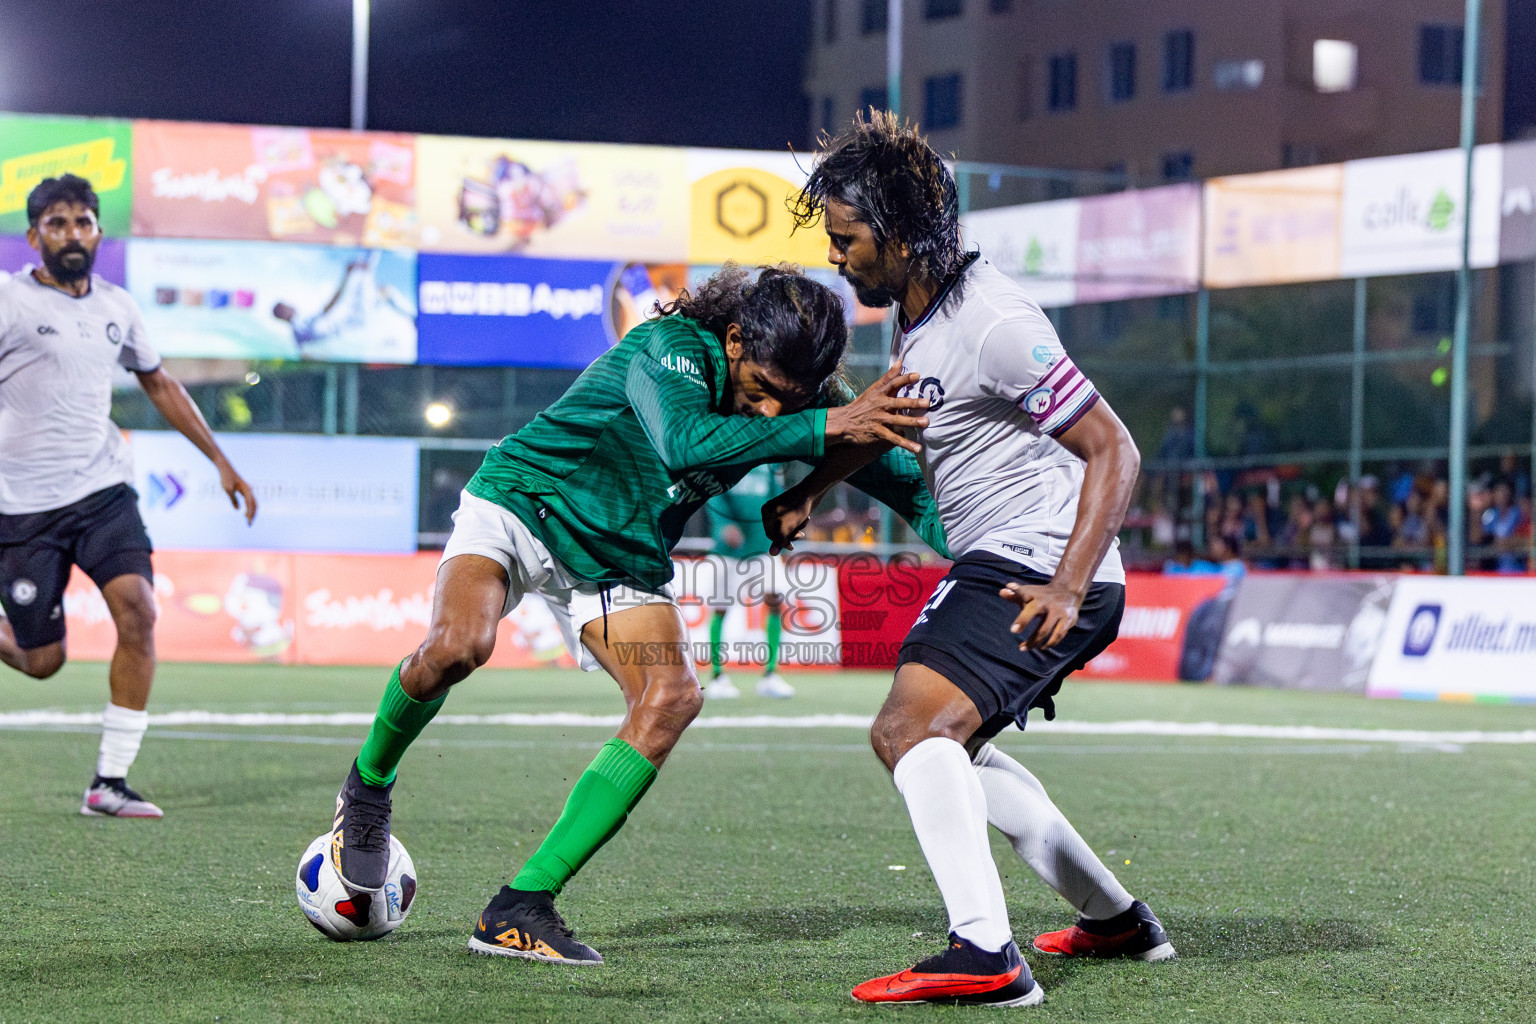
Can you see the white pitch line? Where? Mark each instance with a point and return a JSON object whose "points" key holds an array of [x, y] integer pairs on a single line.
{"points": [[43, 718]]}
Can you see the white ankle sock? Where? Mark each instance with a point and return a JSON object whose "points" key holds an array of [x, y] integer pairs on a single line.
{"points": [[122, 730], [1018, 807], [949, 815]]}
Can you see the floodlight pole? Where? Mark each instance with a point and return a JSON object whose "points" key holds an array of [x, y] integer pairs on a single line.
{"points": [[1456, 515], [893, 56], [359, 64]]}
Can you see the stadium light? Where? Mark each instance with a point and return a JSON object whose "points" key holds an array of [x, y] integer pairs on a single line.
{"points": [[438, 415], [359, 64]]}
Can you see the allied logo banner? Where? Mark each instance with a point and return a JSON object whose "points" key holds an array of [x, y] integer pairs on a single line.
{"points": [[552, 199], [336, 494], [283, 184], [1273, 228], [97, 149], [1403, 214], [254, 300], [1458, 639]]}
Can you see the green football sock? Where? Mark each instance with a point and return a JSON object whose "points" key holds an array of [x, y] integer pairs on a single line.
{"points": [[396, 726], [775, 630], [594, 812], [716, 648]]}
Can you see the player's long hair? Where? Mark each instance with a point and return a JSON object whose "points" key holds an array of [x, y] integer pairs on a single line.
{"points": [[788, 321], [896, 184]]}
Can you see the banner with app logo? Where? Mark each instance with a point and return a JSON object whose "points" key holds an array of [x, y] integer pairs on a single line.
{"points": [[552, 199], [739, 205], [1517, 205], [97, 149], [1273, 228], [111, 258], [261, 300], [1403, 214], [329, 494], [284, 184], [1446, 638], [1035, 244]]}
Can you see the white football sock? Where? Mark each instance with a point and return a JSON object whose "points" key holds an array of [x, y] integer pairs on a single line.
{"points": [[122, 730], [1018, 807], [949, 815]]}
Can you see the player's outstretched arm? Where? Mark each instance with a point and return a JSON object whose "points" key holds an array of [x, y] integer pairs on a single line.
{"points": [[1047, 613], [181, 412]]}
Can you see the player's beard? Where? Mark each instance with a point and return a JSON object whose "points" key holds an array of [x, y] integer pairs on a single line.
{"points": [[69, 263], [873, 296]]}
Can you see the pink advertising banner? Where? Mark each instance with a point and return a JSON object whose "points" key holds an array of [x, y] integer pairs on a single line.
{"points": [[1139, 243]]}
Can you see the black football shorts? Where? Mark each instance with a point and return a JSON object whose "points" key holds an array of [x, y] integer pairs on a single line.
{"points": [[962, 634], [102, 533]]}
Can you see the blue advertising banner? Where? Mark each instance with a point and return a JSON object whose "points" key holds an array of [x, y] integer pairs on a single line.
{"points": [[517, 310], [327, 494], [16, 254]]}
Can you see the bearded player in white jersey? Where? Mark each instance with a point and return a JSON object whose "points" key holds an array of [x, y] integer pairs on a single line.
{"points": [[65, 472], [1032, 472]]}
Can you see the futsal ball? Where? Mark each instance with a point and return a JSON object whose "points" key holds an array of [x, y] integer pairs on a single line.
{"points": [[347, 915]]}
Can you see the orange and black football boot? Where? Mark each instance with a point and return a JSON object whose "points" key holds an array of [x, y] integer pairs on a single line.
{"points": [[962, 975], [1136, 934], [527, 925]]}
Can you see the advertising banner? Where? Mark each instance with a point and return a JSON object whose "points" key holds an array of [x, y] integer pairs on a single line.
{"points": [[554, 199], [1297, 631], [739, 205], [1160, 628], [284, 184], [253, 300], [1458, 639], [312, 493], [1517, 207], [1035, 244], [811, 634], [1139, 243], [1274, 227], [34, 148], [297, 609], [1403, 214], [519, 311], [878, 603], [111, 256]]}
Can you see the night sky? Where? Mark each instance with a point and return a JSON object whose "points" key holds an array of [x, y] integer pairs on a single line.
{"points": [[684, 72]]}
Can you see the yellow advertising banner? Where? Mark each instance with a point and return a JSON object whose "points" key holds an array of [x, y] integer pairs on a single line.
{"points": [[1274, 227], [739, 205], [553, 199]]}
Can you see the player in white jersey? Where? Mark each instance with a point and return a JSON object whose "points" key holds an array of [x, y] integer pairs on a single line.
{"points": [[1031, 472], [65, 471]]}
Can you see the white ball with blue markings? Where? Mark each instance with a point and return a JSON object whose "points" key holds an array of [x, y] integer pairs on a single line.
{"points": [[347, 915]]}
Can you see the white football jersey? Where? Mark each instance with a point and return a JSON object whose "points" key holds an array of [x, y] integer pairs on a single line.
{"points": [[57, 357], [1002, 388]]}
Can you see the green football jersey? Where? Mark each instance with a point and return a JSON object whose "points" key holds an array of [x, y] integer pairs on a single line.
{"points": [[742, 507], [608, 476]]}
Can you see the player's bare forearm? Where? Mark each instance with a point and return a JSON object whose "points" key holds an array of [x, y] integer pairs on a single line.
{"points": [[841, 462], [171, 399], [1112, 463]]}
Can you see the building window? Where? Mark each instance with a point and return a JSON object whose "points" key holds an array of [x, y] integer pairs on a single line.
{"points": [[1335, 65], [941, 102], [872, 97], [935, 10], [1178, 166], [1440, 48], [1024, 105], [1179, 61], [829, 21], [873, 17], [1063, 82], [1296, 154], [827, 115], [1230, 75], [1122, 72], [999, 6]]}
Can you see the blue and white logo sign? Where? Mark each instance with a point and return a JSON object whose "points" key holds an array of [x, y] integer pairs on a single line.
{"points": [[1045, 356], [514, 311], [1422, 627]]}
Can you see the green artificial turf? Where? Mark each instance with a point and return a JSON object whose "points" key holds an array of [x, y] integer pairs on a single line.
{"points": [[1300, 880]]}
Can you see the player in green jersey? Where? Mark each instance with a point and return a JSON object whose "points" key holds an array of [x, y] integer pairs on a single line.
{"points": [[583, 506], [748, 571]]}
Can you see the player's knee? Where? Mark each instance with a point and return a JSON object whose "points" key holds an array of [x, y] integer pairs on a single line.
{"points": [[674, 697], [135, 621], [44, 661], [452, 652]]}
